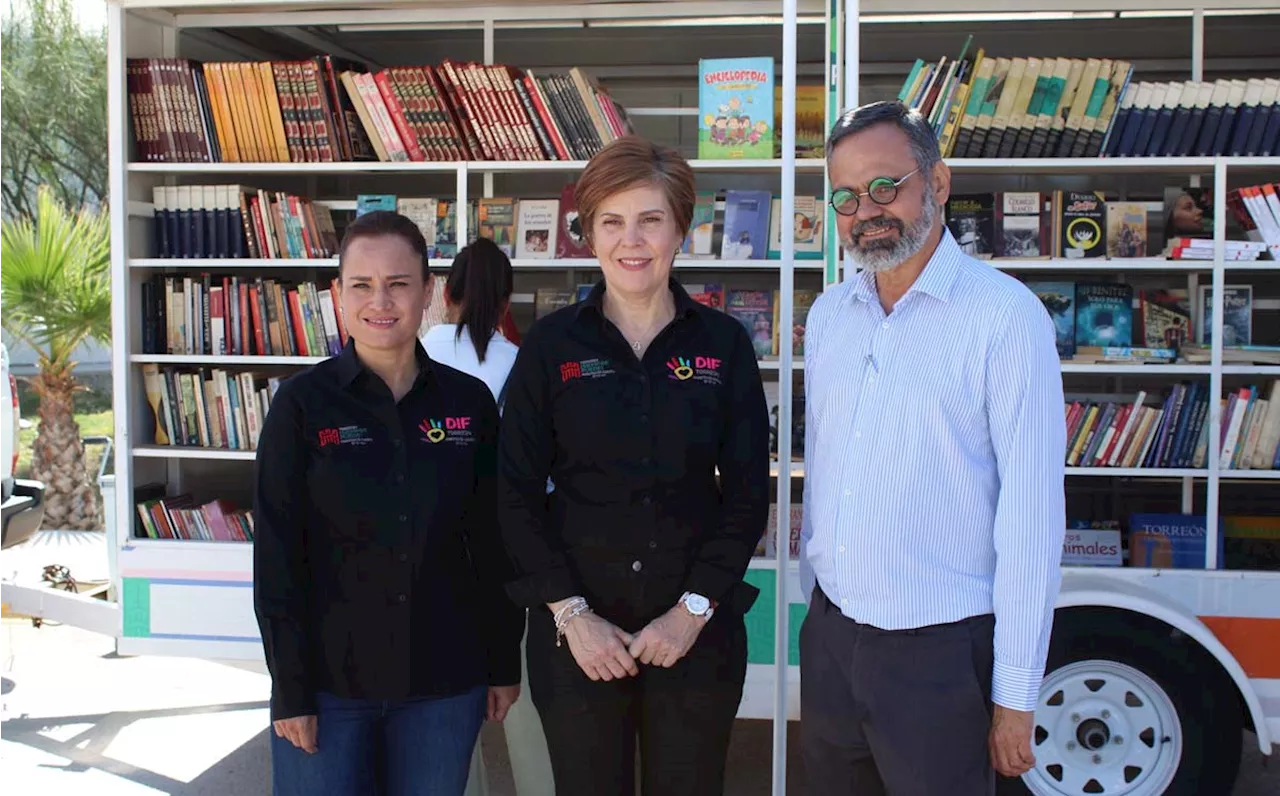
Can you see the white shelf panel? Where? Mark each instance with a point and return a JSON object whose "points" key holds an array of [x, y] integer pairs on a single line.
{"points": [[179, 452], [1250, 475], [1138, 472], [183, 263], [1249, 164], [1081, 165], [1109, 266], [1251, 370], [1252, 265], [222, 359], [476, 166], [1131, 369]]}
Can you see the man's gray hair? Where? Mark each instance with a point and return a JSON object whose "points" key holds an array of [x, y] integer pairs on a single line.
{"points": [[924, 143]]}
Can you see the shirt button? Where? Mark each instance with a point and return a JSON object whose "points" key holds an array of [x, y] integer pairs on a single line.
{"points": [[644, 420], [646, 500], [884, 325], [857, 434], [402, 598], [870, 379], [405, 556], [636, 566], [404, 518], [841, 548], [844, 601], [848, 492], [653, 545]]}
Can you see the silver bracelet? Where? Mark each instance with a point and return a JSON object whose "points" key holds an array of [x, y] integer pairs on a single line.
{"points": [[575, 607]]}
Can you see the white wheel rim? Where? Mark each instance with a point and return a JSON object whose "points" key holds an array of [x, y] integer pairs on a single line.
{"points": [[1103, 727]]}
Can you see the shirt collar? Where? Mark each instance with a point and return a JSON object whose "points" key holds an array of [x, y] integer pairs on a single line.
{"points": [[350, 368], [936, 279], [594, 302]]}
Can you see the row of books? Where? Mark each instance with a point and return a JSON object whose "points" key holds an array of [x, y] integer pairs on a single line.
{"points": [[1251, 429], [235, 221], [1110, 315], [1045, 107], [1256, 208], [1088, 225], [1130, 434], [326, 109], [204, 314], [208, 407], [1173, 541], [178, 517], [756, 310]]}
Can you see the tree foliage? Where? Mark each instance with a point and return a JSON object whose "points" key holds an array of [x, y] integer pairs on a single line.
{"points": [[53, 109]]}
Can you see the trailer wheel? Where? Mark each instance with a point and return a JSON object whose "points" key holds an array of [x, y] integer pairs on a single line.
{"points": [[1131, 717]]}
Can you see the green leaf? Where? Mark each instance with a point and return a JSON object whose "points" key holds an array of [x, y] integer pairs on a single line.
{"points": [[55, 286]]}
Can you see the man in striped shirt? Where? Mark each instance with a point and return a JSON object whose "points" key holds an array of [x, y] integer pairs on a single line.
{"points": [[934, 506]]}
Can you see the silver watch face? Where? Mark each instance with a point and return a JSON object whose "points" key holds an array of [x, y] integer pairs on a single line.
{"points": [[697, 604]]}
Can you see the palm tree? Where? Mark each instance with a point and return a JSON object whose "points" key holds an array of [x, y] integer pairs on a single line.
{"points": [[55, 287]]}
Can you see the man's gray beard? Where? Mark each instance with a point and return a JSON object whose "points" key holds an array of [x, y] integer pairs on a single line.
{"points": [[911, 240]]}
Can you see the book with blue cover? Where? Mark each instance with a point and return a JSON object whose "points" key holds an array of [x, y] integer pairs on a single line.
{"points": [[1169, 541], [1104, 314], [746, 225], [1059, 299]]}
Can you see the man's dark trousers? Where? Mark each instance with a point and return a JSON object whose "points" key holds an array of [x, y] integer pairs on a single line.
{"points": [[902, 713]]}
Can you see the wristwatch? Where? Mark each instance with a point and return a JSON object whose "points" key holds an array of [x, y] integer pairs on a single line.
{"points": [[697, 605]]}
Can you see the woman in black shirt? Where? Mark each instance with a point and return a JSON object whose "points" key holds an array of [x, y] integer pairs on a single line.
{"points": [[647, 412], [378, 569]]}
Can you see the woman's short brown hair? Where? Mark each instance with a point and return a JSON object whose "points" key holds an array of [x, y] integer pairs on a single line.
{"points": [[631, 161]]}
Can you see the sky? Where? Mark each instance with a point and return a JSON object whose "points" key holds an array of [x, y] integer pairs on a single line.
{"points": [[91, 12]]}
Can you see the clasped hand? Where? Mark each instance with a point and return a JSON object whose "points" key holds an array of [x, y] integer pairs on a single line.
{"points": [[606, 652]]}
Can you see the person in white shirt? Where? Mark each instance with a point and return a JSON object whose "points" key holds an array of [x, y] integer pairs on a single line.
{"points": [[933, 505], [476, 297]]}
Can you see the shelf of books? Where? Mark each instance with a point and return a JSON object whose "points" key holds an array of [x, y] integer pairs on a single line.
{"points": [[1136, 194]]}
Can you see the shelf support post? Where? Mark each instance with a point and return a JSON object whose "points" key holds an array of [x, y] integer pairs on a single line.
{"points": [[118, 209], [782, 601], [1215, 372], [488, 60]]}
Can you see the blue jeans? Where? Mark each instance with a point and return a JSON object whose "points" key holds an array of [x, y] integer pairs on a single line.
{"points": [[366, 747]]}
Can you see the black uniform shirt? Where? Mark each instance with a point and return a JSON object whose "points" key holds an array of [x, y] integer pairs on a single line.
{"points": [[637, 515], [378, 569]]}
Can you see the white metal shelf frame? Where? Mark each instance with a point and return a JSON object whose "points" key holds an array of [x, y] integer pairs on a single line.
{"points": [[842, 21]]}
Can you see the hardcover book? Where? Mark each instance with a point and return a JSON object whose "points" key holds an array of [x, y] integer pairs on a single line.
{"points": [[735, 108], [1059, 299], [971, 219], [1080, 221], [1104, 315]]}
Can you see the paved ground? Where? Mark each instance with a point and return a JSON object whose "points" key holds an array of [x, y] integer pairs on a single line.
{"points": [[78, 719]]}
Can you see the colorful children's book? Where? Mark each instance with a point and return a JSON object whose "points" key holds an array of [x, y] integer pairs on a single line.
{"points": [[735, 108]]}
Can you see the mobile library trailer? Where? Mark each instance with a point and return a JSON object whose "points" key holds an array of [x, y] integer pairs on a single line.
{"points": [[243, 133]]}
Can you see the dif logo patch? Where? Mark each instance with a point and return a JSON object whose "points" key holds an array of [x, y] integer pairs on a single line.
{"points": [[454, 429], [704, 369]]}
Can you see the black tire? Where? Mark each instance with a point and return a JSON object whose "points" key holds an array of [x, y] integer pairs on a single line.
{"points": [[1206, 702]]}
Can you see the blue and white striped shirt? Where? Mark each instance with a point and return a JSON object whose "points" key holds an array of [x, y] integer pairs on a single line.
{"points": [[935, 443]]}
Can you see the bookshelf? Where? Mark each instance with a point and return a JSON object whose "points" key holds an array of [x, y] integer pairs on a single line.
{"points": [[647, 53]]}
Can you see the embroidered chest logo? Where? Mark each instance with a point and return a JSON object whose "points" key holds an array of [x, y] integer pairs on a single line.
{"points": [[344, 435], [595, 368], [705, 370], [456, 430]]}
